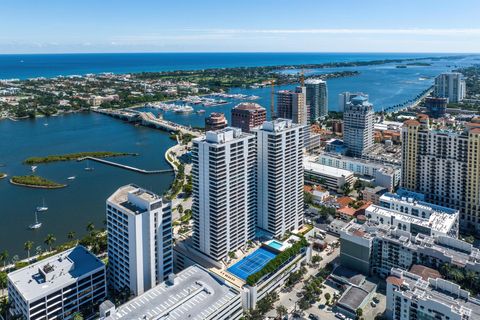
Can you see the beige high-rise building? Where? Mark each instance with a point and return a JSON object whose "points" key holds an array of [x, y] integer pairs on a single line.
{"points": [[444, 165], [293, 105]]}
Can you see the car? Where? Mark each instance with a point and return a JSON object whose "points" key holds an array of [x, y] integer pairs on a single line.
{"points": [[376, 300], [373, 304], [313, 317], [321, 306], [339, 315], [299, 295], [329, 309]]}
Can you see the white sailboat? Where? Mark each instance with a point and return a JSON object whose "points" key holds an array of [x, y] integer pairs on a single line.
{"points": [[71, 178], [33, 168], [37, 224], [43, 207], [88, 168]]}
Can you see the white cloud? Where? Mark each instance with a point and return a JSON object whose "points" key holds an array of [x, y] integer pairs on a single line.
{"points": [[413, 31]]}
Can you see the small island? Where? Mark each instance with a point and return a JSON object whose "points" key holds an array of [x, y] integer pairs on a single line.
{"points": [[35, 182], [75, 156]]}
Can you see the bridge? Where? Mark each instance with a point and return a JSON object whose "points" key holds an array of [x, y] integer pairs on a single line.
{"points": [[123, 166], [148, 119]]}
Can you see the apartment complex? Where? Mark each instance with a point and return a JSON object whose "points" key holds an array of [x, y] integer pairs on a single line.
{"points": [[280, 176], [293, 105], [425, 221], [193, 293], [374, 248], [215, 121], [58, 287], [409, 296], [317, 98], [139, 227], [224, 191], [445, 166], [450, 85], [384, 175], [248, 115], [358, 126]]}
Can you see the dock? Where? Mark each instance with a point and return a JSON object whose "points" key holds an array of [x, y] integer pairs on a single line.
{"points": [[148, 119], [123, 166]]}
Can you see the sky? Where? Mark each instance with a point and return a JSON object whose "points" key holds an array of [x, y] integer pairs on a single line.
{"points": [[64, 26]]}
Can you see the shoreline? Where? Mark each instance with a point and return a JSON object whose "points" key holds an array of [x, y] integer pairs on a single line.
{"points": [[37, 187], [340, 63]]}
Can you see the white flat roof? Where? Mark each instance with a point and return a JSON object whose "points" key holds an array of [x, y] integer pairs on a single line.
{"points": [[49, 275], [309, 165], [196, 294], [441, 222]]}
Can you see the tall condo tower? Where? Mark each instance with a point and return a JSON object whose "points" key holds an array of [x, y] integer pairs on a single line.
{"points": [[139, 227], [358, 126], [444, 165], [450, 85], [317, 98], [224, 191], [280, 176], [293, 105]]}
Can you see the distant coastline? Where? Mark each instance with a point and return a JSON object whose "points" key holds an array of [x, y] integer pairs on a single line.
{"points": [[25, 66]]}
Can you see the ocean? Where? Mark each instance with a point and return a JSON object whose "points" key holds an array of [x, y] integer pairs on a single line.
{"points": [[23, 66]]}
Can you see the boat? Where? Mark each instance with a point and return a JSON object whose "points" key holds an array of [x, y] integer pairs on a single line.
{"points": [[43, 207], [184, 109], [33, 168], [201, 111], [88, 168], [37, 224], [71, 178]]}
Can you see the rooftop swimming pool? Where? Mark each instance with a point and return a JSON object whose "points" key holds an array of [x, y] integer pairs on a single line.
{"points": [[275, 244]]}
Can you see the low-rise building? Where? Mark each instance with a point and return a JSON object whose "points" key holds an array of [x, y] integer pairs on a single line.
{"points": [[384, 175], [330, 177], [372, 248], [421, 216], [411, 297], [58, 287], [373, 194], [437, 223], [194, 293]]}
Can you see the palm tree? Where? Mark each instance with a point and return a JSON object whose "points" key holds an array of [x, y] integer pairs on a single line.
{"points": [[281, 311], [90, 227], [27, 246], [49, 240], [77, 316], [4, 257], [71, 235]]}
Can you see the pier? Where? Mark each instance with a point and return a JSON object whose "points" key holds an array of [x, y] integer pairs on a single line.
{"points": [[148, 119], [123, 166]]}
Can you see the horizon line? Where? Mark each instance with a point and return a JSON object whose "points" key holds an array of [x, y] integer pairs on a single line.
{"points": [[241, 52]]}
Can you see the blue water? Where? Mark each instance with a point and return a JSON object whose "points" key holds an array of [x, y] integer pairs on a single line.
{"points": [[24, 66], [83, 201], [251, 263], [275, 245]]}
